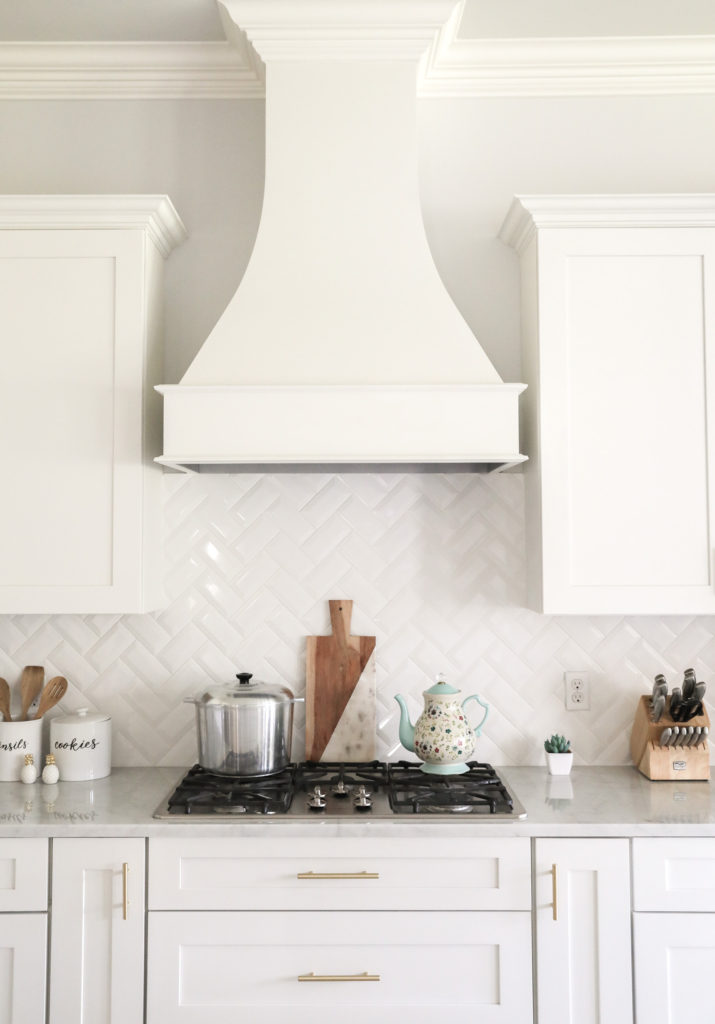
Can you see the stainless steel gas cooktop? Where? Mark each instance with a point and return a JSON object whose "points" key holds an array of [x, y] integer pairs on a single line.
{"points": [[375, 789]]}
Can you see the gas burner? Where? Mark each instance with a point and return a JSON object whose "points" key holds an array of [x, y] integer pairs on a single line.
{"points": [[479, 790], [201, 792]]}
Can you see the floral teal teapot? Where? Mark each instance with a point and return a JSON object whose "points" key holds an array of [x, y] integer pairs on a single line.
{"points": [[442, 736]]}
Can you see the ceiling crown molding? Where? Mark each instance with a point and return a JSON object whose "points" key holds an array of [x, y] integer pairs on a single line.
{"points": [[452, 67], [595, 66]]}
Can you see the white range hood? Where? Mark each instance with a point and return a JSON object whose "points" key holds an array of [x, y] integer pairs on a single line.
{"points": [[341, 345]]}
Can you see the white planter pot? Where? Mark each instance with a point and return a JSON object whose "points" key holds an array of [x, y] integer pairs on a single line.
{"points": [[559, 764]]}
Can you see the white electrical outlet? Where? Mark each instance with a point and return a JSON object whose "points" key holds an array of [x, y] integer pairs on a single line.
{"points": [[578, 696]]}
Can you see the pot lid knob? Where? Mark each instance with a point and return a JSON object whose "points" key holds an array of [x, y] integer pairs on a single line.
{"points": [[244, 678]]}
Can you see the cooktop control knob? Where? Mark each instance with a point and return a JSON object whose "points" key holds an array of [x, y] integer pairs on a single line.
{"points": [[316, 800], [363, 800], [340, 789]]}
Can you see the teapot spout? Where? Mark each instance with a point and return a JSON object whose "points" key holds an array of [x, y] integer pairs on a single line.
{"points": [[407, 729]]}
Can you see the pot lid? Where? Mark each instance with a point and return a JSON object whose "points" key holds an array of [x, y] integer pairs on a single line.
{"points": [[245, 690], [441, 687], [82, 716]]}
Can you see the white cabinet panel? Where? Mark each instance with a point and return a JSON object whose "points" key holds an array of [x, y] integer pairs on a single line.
{"points": [[421, 966], [23, 960], [97, 943], [583, 932], [397, 874], [23, 874], [80, 321], [674, 874], [618, 341], [674, 962]]}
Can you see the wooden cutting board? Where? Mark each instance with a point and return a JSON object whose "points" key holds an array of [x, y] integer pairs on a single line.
{"points": [[340, 716]]}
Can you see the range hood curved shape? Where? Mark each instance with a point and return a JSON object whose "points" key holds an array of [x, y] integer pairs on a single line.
{"points": [[341, 345]]}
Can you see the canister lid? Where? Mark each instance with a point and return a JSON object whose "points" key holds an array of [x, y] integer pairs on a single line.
{"points": [[82, 716]]}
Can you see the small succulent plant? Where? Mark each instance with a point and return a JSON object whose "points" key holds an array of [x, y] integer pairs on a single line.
{"points": [[557, 745]]}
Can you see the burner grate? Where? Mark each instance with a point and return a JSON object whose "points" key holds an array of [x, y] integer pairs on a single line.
{"points": [[202, 792], [477, 791]]}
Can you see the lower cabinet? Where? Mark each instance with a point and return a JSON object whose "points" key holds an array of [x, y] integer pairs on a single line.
{"points": [[583, 931], [403, 930], [97, 937], [23, 930], [673, 929]]}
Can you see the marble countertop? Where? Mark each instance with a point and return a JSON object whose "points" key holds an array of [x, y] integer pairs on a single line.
{"points": [[615, 801]]}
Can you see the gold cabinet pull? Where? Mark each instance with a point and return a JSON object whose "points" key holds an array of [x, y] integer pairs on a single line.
{"points": [[339, 977], [553, 891], [125, 887], [338, 874]]}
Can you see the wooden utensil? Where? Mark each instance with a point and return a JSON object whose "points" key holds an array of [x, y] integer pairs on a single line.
{"points": [[52, 694], [31, 680], [5, 700], [340, 718]]}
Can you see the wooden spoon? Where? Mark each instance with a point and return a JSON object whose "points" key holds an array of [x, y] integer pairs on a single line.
{"points": [[33, 676], [5, 700], [52, 694]]}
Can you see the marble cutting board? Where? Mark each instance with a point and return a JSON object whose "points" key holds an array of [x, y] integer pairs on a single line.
{"points": [[340, 713]]}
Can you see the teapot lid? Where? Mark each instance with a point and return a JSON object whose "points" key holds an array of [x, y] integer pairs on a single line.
{"points": [[442, 686]]}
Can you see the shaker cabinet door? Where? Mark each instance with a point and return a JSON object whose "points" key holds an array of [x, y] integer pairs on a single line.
{"points": [[674, 962], [618, 331], [97, 940], [583, 931], [79, 420], [23, 960]]}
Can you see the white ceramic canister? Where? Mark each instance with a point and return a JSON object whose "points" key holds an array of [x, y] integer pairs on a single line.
{"points": [[16, 740], [82, 745]]}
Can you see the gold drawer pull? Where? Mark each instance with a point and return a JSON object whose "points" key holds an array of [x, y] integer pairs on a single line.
{"points": [[339, 977], [338, 874], [125, 897], [553, 891]]}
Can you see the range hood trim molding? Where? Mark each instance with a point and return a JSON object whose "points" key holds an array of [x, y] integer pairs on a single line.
{"points": [[351, 424]]}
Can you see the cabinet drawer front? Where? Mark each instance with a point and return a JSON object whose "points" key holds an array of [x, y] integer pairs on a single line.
{"points": [[23, 874], [674, 874], [416, 967], [339, 874]]}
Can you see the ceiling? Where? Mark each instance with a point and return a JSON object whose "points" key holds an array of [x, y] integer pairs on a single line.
{"points": [[199, 20]]}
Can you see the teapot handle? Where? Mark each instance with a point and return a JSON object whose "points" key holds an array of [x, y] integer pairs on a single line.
{"points": [[475, 696]]}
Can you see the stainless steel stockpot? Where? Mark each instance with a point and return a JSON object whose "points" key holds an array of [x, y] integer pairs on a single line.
{"points": [[245, 728]]}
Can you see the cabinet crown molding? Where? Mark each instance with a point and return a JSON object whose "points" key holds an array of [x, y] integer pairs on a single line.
{"points": [[153, 213], [530, 213]]}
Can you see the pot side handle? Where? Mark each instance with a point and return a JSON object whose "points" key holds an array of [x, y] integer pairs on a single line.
{"points": [[475, 696]]}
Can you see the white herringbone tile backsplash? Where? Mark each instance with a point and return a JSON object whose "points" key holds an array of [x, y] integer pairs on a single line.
{"points": [[435, 566]]}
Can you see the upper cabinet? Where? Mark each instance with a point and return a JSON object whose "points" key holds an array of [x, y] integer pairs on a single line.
{"points": [[618, 315], [81, 327]]}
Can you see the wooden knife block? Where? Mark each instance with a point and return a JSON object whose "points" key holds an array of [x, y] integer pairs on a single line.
{"points": [[671, 764]]}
